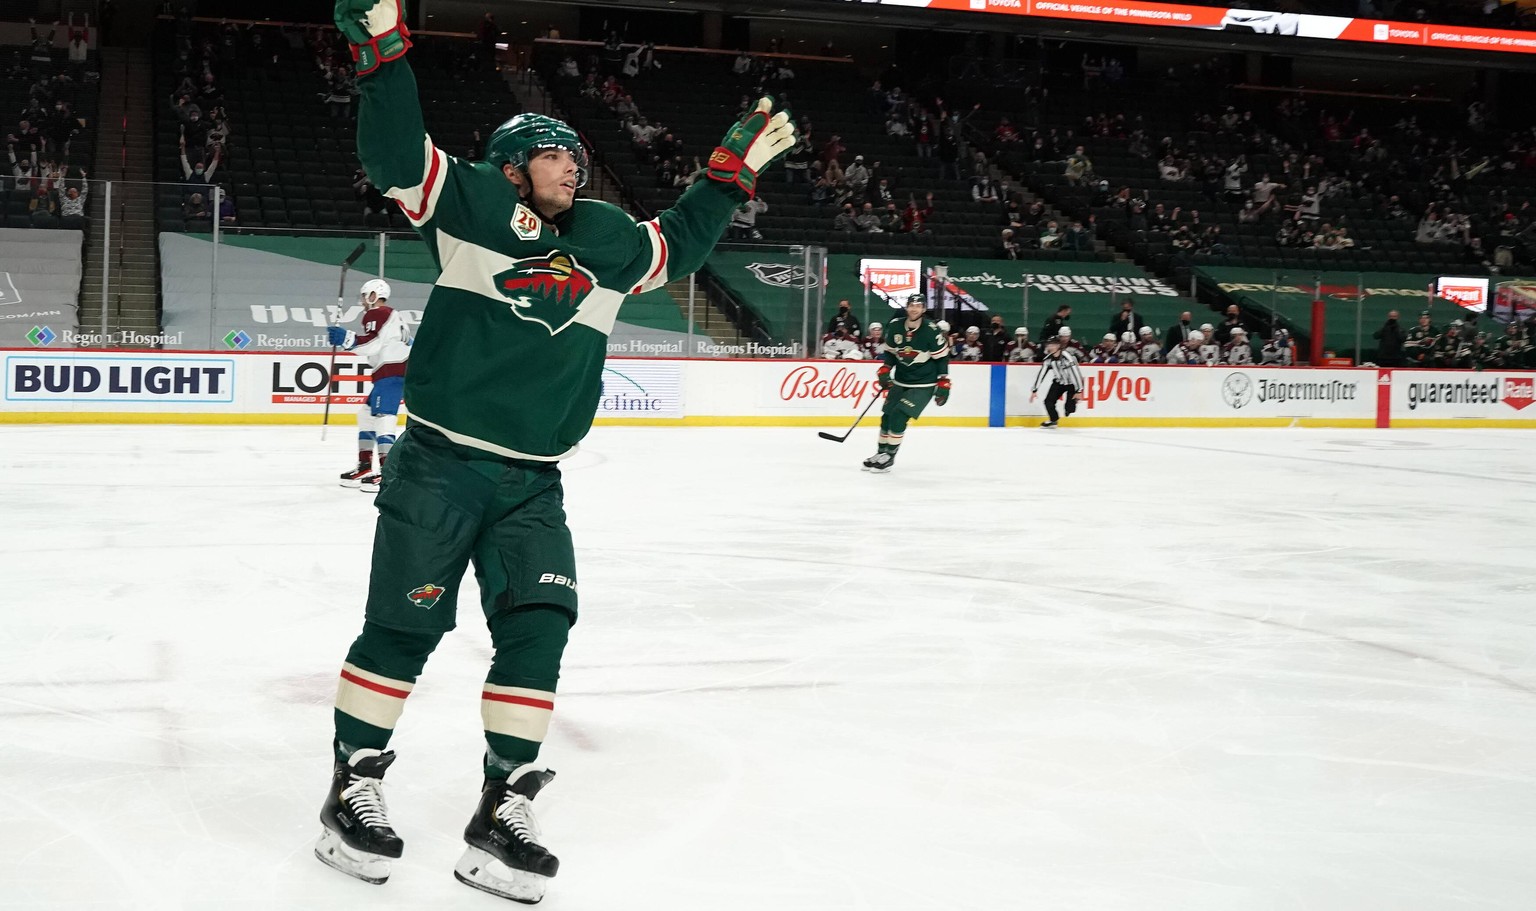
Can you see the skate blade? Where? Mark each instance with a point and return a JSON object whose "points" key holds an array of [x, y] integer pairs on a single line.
{"points": [[885, 470], [334, 853], [480, 870], [351, 484], [368, 488]]}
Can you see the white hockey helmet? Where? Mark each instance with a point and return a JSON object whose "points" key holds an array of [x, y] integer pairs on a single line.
{"points": [[1021, 331], [1239, 330], [1109, 336], [1146, 330], [1127, 337], [1207, 328], [376, 286], [1196, 336], [1064, 332], [972, 330]]}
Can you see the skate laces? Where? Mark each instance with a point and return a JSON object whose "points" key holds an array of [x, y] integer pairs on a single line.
{"points": [[516, 813], [365, 797]]}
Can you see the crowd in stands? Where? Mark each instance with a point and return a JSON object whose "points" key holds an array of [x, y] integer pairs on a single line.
{"points": [[1301, 175], [858, 192], [43, 173]]}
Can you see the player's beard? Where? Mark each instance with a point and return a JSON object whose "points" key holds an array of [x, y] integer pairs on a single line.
{"points": [[552, 202]]}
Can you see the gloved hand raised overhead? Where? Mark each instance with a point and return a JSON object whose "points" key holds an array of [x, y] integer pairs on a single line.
{"points": [[375, 29], [751, 145]]}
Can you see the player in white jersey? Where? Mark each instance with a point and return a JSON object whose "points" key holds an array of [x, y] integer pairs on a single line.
{"points": [[1239, 352], [1209, 352], [1150, 351], [1021, 350], [385, 343], [1187, 351]]}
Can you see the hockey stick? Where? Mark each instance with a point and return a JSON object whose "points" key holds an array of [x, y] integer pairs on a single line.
{"points": [[341, 290], [838, 439]]}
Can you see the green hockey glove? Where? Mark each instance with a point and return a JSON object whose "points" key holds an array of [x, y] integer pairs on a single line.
{"points": [[375, 29], [941, 391], [751, 145], [883, 377]]}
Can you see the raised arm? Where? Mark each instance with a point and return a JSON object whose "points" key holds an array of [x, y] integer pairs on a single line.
{"points": [[391, 136]]}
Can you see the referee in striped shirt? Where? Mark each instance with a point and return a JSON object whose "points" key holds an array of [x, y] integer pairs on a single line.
{"points": [[1066, 380]]}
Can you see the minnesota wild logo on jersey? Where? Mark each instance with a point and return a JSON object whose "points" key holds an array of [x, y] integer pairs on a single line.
{"points": [[546, 289]]}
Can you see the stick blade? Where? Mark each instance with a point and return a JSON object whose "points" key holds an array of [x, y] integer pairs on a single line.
{"points": [[829, 436], [354, 256]]}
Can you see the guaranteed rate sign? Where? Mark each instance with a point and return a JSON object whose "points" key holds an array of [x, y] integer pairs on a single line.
{"points": [[1258, 22]]}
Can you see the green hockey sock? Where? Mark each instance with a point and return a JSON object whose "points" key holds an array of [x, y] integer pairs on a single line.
{"points": [[379, 673], [519, 694]]}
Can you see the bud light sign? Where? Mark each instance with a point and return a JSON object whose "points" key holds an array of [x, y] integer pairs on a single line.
{"points": [[107, 378]]}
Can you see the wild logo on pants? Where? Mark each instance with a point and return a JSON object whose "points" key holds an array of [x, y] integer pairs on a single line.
{"points": [[426, 596]]}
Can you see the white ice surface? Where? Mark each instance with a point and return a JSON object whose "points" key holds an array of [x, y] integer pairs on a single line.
{"points": [[1098, 670]]}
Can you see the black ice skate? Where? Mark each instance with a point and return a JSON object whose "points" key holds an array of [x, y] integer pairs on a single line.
{"points": [[1048, 425], [505, 856], [880, 462], [357, 839], [354, 477], [369, 483], [870, 462]]}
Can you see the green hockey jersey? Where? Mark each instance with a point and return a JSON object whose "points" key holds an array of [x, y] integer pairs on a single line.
{"points": [[509, 354], [916, 358]]}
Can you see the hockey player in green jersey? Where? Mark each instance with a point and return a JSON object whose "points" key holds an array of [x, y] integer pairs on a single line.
{"points": [[916, 371], [504, 383]]}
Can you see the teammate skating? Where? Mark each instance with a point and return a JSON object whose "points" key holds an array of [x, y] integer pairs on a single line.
{"points": [[386, 344], [506, 372], [915, 372]]}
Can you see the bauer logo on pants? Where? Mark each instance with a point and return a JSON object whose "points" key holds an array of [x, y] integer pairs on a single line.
{"points": [[426, 596]]}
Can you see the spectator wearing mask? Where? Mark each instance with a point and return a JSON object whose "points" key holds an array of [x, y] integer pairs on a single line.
{"points": [[844, 319], [1079, 167], [1266, 194], [867, 221], [1390, 339], [847, 219], [72, 204], [1008, 247], [994, 342], [1231, 321], [1178, 333], [1128, 320], [1055, 323], [856, 176]]}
